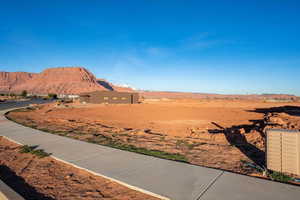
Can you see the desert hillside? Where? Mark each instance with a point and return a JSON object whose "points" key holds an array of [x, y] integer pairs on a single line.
{"points": [[63, 80], [190, 95], [60, 80], [76, 80], [9, 80]]}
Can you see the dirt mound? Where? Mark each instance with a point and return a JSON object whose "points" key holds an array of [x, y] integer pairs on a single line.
{"points": [[282, 121], [8, 80]]}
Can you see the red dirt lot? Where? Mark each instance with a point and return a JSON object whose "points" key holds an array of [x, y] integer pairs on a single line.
{"points": [[174, 118], [46, 178], [222, 134]]}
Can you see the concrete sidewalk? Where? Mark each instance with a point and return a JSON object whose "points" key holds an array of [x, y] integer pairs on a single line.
{"points": [[162, 178], [6, 193]]}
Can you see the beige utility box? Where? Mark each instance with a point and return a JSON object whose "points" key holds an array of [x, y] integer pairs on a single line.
{"points": [[283, 151]]}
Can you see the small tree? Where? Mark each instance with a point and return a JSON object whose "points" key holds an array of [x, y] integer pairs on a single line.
{"points": [[52, 96], [24, 93]]}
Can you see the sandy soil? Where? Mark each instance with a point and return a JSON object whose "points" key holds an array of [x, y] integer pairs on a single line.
{"points": [[200, 130], [47, 178], [176, 118]]}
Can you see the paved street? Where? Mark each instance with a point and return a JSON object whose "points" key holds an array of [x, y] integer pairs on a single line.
{"points": [[168, 179], [14, 104]]}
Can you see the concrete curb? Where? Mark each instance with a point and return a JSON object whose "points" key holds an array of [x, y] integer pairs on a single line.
{"points": [[7, 193]]}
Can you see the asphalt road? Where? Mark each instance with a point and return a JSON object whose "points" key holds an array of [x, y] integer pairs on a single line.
{"points": [[16, 104]]}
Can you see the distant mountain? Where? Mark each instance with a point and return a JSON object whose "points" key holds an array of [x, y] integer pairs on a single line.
{"points": [[9, 80], [60, 80], [76, 80], [190, 95]]}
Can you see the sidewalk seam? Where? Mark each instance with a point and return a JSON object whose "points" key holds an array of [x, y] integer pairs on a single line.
{"points": [[209, 185]]}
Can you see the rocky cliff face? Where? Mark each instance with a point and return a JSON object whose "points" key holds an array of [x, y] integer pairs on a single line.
{"points": [[8, 80], [60, 80]]}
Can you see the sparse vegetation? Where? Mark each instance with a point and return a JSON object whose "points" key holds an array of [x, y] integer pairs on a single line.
{"points": [[24, 93], [27, 149], [107, 141], [52, 96], [185, 144], [278, 176], [150, 152], [32, 149], [40, 153]]}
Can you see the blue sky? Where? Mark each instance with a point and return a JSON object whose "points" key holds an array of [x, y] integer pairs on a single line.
{"points": [[225, 46]]}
